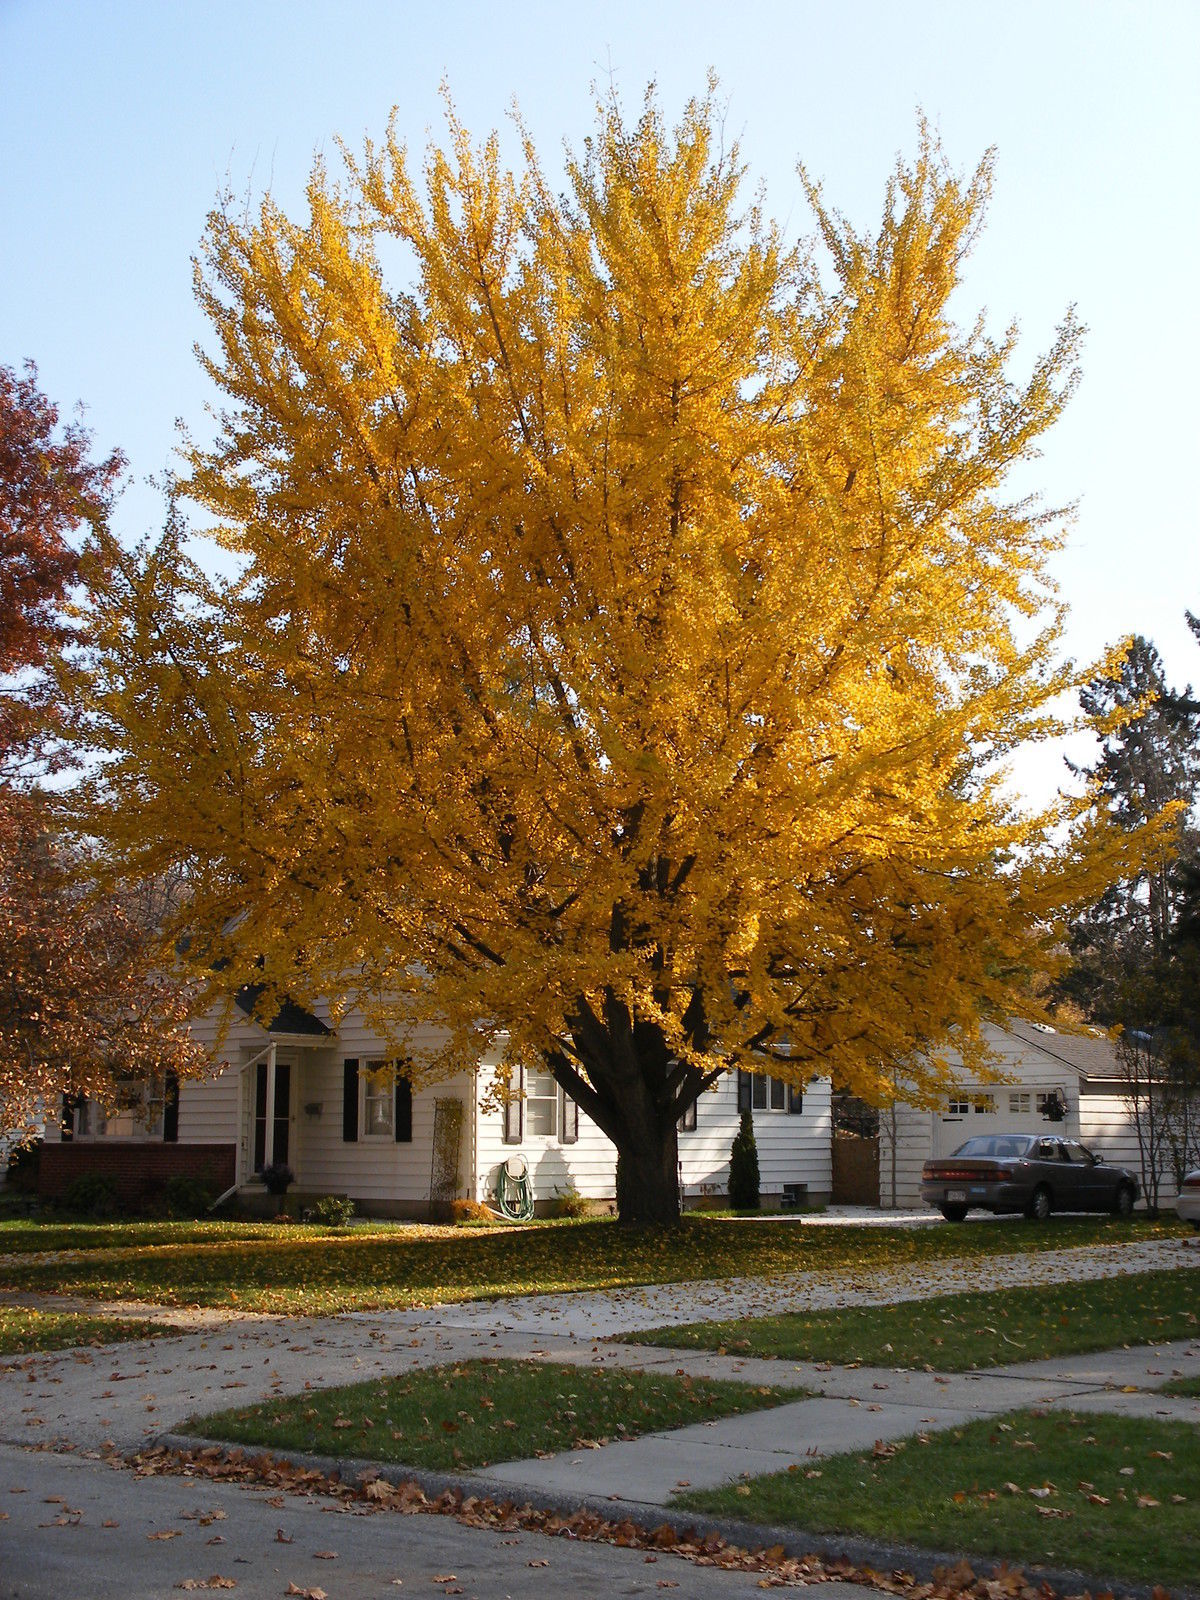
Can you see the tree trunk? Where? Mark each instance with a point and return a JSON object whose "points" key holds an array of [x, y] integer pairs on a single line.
{"points": [[635, 1093], [648, 1177]]}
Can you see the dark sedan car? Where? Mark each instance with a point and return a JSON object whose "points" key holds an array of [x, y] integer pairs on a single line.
{"points": [[1027, 1172]]}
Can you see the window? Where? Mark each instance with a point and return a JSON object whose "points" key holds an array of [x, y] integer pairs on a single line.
{"points": [[687, 1122], [541, 1104], [757, 1092], [136, 1113], [957, 1106], [378, 1109], [1019, 1102], [539, 1108], [984, 1103], [377, 1101]]}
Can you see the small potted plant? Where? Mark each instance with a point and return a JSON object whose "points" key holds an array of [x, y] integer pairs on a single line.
{"points": [[277, 1178]]}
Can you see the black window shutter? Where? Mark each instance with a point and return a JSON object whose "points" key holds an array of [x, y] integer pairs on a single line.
{"points": [[171, 1109], [570, 1118], [403, 1108], [795, 1100], [514, 1110], [350, 1101], [745, 1089]]}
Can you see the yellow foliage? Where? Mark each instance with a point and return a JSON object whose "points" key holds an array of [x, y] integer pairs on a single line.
{"points": [[631, 626]]}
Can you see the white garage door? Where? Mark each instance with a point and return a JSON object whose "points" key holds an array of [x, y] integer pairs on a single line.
{"points": [[1002, 1108]]}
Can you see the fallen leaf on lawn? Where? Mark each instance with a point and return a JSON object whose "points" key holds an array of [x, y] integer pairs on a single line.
{"points": [[1145, 1500], [1042, 1493], [1164, 1455], [1099, 1500]]}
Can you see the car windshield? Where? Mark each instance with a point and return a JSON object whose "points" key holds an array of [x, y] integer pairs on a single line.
{"points": [[996, 1144]]}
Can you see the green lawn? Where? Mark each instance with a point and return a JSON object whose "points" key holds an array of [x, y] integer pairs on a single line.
{"points": [[954, 1333], [1182, 1386], [23, 1331], [264, 1267], [478, 1412], [1112, 1496]]}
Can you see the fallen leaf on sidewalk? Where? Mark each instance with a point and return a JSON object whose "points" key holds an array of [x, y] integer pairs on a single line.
{"points": [[306, 1594], [166, 1533], [215, 1582]]}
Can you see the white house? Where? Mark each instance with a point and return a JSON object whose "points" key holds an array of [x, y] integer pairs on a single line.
{"points": [[1072, 1081], [330, 1105]]}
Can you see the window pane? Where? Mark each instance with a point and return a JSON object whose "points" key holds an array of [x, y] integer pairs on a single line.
{"points": [[778, 1093], [378, 1118], [760, 1092], [542, 1117]]}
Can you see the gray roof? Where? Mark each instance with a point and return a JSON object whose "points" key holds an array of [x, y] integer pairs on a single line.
{"points": [[290, 1018], [1091, 1055]]}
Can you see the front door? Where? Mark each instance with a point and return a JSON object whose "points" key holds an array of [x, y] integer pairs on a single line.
{"points": [[280, 1114]]}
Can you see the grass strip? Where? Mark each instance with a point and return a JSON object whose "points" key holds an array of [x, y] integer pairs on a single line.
{"points": [[1184, 1386], [478, 1412], [955, 1333], [1116, 1497], [24, 1331], [296, 1271]]}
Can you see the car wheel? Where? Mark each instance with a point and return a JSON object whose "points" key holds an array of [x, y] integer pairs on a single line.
{"points": [[953, 1213], [1039, 1206], [1123, 1201]]}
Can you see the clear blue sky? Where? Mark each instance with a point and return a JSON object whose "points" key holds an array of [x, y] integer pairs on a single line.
{"points": [[119, 121]]}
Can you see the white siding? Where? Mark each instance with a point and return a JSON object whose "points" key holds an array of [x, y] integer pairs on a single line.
{"points": [[588, 1166], [1106, 1128], [791, 1149]]}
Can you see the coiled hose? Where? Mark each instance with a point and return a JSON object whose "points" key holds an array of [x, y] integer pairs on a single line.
{"points": [[513, 1194]]}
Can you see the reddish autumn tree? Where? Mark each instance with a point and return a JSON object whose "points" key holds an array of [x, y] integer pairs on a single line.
{"points": [[81, 1006], [49, 486]]}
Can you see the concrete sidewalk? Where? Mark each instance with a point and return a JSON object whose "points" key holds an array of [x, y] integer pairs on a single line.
{"points": [[131, 1392]]}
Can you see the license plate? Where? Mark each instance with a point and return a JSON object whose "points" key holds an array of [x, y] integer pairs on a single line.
{"points": [[956, 1194]]}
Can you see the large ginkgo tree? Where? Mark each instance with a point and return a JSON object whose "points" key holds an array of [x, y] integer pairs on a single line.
{"points": [[630, 624]]}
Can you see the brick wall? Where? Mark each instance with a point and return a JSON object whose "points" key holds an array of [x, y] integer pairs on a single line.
{"points": [[138, 1170]]}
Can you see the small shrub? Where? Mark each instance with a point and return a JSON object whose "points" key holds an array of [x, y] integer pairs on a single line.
{"points": [[92, 1194], [23, 1165], [186, 1198], [570, 1203], [743, 1167], [331, 1211], [468, 1212], [278, 1177]]}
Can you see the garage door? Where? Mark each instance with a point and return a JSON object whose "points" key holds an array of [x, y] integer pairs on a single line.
{"points": [[1000, 1108]]}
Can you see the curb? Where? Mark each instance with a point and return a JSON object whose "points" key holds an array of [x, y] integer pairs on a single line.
{"points": [[829, 1548]]}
